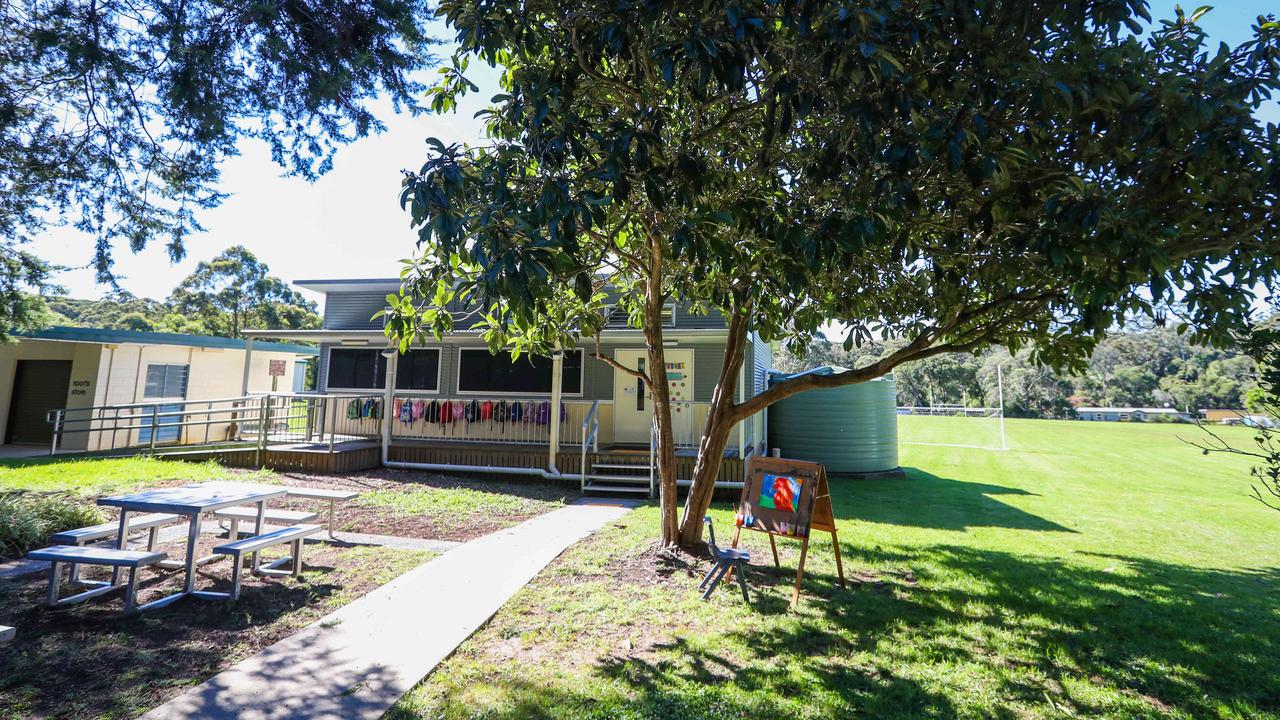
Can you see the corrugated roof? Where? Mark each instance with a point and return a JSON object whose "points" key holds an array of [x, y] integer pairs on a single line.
{"points": [[142, 337]]}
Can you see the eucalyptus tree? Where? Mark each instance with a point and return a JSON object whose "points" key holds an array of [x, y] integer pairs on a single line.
{"points": [[115, 115], [952, 175]]}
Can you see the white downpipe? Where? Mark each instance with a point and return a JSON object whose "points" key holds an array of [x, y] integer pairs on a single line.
{"points": [[388, 397], [553, 444]]}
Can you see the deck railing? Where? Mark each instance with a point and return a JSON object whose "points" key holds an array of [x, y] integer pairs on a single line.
{"points": [[502, 419], [250, 420]]}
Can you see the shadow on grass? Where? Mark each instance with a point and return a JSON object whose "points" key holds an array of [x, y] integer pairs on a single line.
{"points": [[946, 631], [86, 660], [921, 499]]}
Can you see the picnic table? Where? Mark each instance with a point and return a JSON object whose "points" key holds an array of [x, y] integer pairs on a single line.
{"points": [[193, 501]]}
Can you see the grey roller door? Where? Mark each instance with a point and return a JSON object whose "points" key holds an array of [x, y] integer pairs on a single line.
{"points": [[38, 387]]}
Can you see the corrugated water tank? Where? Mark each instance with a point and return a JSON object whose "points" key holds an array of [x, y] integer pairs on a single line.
{"points": [[852, 430]]}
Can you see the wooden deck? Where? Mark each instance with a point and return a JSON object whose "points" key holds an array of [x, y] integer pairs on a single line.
{"points": [[355, 456]]}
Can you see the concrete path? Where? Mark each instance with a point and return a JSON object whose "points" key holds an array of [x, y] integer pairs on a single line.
{"points": [[358, 661]]}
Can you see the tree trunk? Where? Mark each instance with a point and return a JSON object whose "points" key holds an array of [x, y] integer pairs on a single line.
{"points": [[715, 434], [660, 391]]}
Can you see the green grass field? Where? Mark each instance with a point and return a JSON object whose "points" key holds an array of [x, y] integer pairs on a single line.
{"points": [[1092, 570], [91, 477]]}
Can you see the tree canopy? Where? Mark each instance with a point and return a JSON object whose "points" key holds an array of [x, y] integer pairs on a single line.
{"points": [[1153, 367], [951, 174], [115, 116], [234, 290]]}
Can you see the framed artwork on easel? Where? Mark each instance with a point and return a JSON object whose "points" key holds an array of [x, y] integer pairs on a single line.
{"points": [[791, 499]]}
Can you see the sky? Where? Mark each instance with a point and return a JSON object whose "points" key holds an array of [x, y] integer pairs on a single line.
{"points": [[349, 223]]}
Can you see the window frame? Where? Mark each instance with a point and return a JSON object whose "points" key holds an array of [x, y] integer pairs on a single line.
{"points": [[439, 373], [186, 380], [457, 379], [328, 371]]}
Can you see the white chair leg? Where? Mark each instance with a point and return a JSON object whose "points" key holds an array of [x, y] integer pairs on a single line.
{"points": [[297, 557], [152, 536]]}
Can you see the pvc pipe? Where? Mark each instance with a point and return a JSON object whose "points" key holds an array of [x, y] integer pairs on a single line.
{"points": [[444, 467]]}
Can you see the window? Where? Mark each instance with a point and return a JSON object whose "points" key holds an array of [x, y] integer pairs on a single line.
{"points": [[366, 369], [481, 372], [166, 381], [352, 369], [616, 318], [418, 370]]}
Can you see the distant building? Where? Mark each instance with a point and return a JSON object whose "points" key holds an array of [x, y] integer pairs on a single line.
{"points": [[78, 368], [1224, 416], [1130, 414]]}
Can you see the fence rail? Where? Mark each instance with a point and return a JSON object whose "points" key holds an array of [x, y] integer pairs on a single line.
{"points": [[258, 420]]}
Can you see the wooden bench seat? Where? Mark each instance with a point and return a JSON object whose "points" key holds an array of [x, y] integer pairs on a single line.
{"points": [[247, 514], [59, 555], [238, 549], [332, 496]]}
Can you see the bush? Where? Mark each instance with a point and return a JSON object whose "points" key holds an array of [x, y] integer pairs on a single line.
{"points": [[28, 519]]}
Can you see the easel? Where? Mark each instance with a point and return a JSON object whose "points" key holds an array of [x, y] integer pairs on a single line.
{"points": [[822, 516]]}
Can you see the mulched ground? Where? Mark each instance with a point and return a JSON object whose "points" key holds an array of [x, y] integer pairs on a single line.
{"points": [[86, 660]]}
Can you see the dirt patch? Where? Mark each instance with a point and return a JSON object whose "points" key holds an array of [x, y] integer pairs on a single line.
{"points": [[658, 565], [86, 660]]}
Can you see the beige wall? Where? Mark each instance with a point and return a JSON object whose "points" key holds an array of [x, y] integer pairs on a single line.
{"points": [[80, 393], [116, 374]]}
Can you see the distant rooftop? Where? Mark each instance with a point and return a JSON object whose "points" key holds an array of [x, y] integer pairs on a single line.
{"points": [[1147, 411], [382, 285], [142, 337]]}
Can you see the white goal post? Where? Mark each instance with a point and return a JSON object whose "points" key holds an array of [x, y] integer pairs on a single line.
{"points": [[984, 431]]}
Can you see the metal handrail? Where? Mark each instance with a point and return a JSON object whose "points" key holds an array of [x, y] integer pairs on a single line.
{"points": [[589, 437], [261, 419]]}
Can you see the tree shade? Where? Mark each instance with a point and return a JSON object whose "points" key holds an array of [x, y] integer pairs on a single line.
{"points": [[954, 175]]}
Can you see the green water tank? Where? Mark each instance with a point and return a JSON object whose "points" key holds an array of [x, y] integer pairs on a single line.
{"points": [[852, 430]]}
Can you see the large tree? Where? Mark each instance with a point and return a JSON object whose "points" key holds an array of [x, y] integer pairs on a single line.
{"points": [[115, 116], [235, 290], [951, 174]]}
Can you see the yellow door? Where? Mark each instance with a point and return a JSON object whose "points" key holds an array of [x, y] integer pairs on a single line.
{"points": [[633, 407]]}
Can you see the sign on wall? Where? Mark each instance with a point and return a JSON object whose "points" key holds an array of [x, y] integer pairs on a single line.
{"points": [[276, 368]]}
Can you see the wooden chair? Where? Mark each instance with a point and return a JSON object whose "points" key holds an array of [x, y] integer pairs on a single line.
{"points": [[724, 561]]}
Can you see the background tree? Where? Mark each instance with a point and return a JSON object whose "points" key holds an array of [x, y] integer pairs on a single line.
{"points": [[1262, 344], [952, 175], [115, 116], [234, 290]]}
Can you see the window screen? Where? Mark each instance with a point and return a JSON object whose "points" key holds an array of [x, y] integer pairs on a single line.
{"points": [[418, 370], [166, 381], [352, 369], [481, 372]]}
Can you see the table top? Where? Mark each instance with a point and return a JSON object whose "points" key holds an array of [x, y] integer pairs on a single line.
{"points": [[194, 498]]}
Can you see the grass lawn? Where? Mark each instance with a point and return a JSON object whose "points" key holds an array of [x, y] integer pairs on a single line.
{"points": [[97, 476], [1092, 570]]}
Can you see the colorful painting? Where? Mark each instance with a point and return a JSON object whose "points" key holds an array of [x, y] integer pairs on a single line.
{"points": [[781, 493]]}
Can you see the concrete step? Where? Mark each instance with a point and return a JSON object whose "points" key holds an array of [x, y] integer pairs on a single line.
{"points": [[594, 488], [632, 479]]}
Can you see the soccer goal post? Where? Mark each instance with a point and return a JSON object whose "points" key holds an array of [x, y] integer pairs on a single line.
{"points": [[952, 426]]}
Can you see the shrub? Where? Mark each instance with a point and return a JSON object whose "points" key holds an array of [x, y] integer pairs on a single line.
{"points": [[28, 519]]}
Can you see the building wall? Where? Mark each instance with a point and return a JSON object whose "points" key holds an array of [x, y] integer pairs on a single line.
{"points": [[84, 377], [116, 375]]}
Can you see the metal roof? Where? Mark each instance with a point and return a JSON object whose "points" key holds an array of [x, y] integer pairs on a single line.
{"points": [[142, 337], [385, 285]]}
